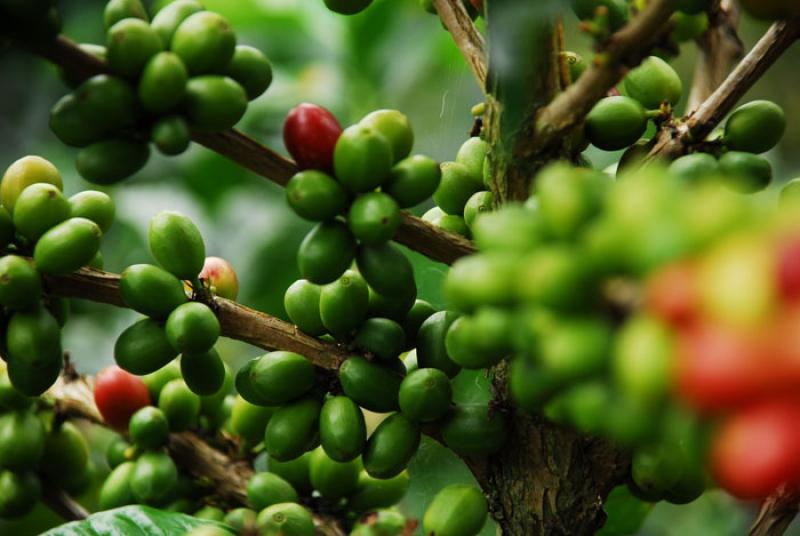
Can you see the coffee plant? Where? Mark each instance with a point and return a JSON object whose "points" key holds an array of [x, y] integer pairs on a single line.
{"points": [[636, 325]]}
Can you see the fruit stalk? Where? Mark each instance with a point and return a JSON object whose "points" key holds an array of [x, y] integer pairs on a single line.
{"points": [[466, 36], [62, 503], [776, 514]]}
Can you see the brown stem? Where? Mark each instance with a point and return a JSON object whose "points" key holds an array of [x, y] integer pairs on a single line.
{"points": [[673, 140], [466, 36], [718, 50], [414, 233], [60, 502], [623, 50], [237, 321], [776, 514], [229, 477]]}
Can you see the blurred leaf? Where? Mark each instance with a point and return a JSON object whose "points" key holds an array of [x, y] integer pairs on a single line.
{"points": [[133, 521], [626, 513]]}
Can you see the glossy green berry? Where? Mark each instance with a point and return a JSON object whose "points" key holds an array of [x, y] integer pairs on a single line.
{"points": [[745, 172], [294, 471], [179, 404], [413, 180], [362, 159], [113, 160], [479, 203], [167, 20], [342, 430], [19, 493], [171, 135], [248, 420], [555, 276], [177, 245], [151, 290], [615, 123], [480, 341], [332, 479], [457, 510], [21, 174], [374, 218], [285, 519], [695, 167], [425, 395], [130, 43], [381, 337], [153, 478], [214, 102], [391, 446], [66, 455], [316, 196], [33, 351], [67, 246], [10, 398], [293, 429], [192, 328], [420, 311], [755, 127], [266, 489], [790, 193], [482, 280], [163, 83], [343, 304], [95, 206], [387, 270], [371, 385], [22, 440], [453, 224], [148, 428], [204, 41], [143, 348], [277, 377], [155, 381], [474, 430], [6, 228], [251, 68], [472, 155], [576, 64], [653, 83], [395, 127], [116, 489], [431, 350], [689, 27], [203, 372], [20, 283], [457, 185], [326, 252], [116, 10], [301, 302], [372, 493], [39, 208], [117, 452]]}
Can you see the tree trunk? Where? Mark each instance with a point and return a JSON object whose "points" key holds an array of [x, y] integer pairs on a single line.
{"points": [[547, 480]]}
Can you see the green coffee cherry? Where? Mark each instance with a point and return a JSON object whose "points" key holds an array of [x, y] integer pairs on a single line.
{"points": [[372, 493], [163, 83], [278, 377], [431, 351], [211, 513], [203, 372], [343, 304], [155, 381], [116, 10], [745, 172], [10, 398], [293, 429], [395, 128], [655, 469], [143, 348], [148, 428], [6, 228], [167, 20], [790, 193], [171, 135], [266, 489], [151, 290], [362, 159], [474, 430], [419, 312], [372, 386], [214, 102], [374, 218], [130, 43], [315, 196], [177, 245], [21, 174], [381, 337], [695, 167], [293, 471], [301, 302], [204, 41], [153, 478], [39, 208], [391, 446], [457, 510], [286, 519], [66, 457], [531, 386], [642, 359], [248, 420], [22, 440], [691, 7], [332, 479], [575, 348], [615, 123], [241, 519], [111, 161], [481, 280], [576, 64], [20, 283], [326, 252], [688, 27], [653, 83], [342, 430], [116, 489], [180, 405], [95, 206], [33, 350], [192, 328], [480, 341], [19, 493], [393, 307], [413, 180], [347, 7], [457, 185], [251, 68], [386, 269], [755, 127], [479, 203], [472, 155]]}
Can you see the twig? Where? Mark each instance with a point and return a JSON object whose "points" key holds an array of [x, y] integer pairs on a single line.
{"points": [[419, 235], [776, 514], [228, 477], [237, 321], [718, 50], [60, 502], [673, 140], [625, 49], [466, 36]]}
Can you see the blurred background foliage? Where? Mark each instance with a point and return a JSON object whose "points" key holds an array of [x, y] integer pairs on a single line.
{"points": [[393, 55]]}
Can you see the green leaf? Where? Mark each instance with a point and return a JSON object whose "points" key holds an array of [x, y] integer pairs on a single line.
{"points": [[626, 513], [133, 521]]}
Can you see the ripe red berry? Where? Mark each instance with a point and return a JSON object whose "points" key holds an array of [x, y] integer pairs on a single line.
{"points": [[118, 395], [310, 134], [672, 294], [788, 268], [755, 451], [222, 277]]}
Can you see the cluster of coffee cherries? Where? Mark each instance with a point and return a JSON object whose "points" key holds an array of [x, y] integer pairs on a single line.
{"points": [[180, 71], [463, 191], [174, 324], [37, 449], [42, 233]]}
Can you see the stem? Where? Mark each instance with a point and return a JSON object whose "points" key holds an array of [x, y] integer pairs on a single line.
{"points": [[776, 514], [414, 233], [237, 321], [466, 36], [60, 502]]}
